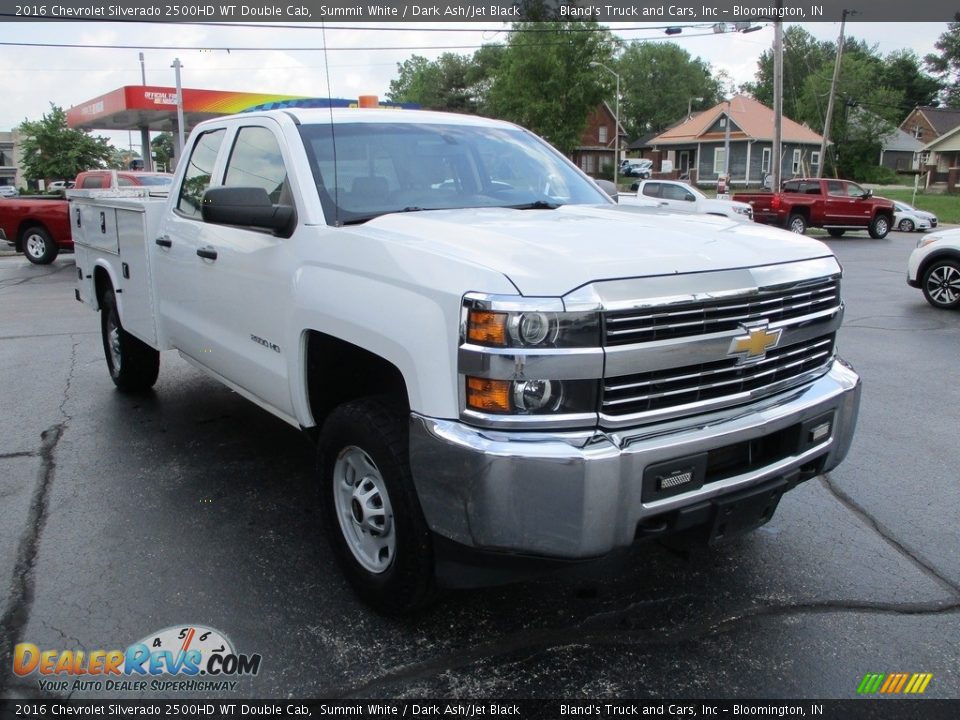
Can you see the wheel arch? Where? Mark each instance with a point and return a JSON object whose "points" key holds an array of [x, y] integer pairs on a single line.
{"points": [[104, 280], [26, 224], [354, 372], [945, 254]]}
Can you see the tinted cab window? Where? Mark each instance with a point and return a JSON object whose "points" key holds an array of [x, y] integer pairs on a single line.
{"points": [[196, 180], [255, 161]]}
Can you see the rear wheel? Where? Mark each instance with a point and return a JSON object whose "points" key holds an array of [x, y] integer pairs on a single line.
{"points": [[835, 232], [797, 223], [371, 513], [906, 225], [38, 246], [879, 227], [941, 284], [133, 364]]}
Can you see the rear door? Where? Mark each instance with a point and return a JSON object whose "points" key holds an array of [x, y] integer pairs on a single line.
{"points": [[678, 198], [183, 318]]}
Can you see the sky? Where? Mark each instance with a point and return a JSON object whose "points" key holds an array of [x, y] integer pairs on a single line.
{"points": [[34, 77]]}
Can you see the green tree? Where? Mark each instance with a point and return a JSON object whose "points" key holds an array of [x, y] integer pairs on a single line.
{"points": [[946, 65], [455, 83], [657, 82], [162, 148], [544, 80], [903, 71], [53, 151]]}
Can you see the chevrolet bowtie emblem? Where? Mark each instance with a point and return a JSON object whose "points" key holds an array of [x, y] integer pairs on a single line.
{"points": [[754, 345]]}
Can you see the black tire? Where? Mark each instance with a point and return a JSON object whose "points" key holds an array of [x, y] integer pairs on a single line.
{"points": [[373, 432], [879, 227], [941, 284], [906, 225], [133, 364], [797, 223], [835, 232], [38, 246]]}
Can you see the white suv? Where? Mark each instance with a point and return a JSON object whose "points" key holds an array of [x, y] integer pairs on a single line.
{"points": [[934, 267], [8, 191]]}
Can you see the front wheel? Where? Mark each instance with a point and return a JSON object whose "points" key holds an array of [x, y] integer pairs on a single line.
{"points": [[38, 246], [797, 224], [879, 227], [133, 364], [906, 225], [371, 513], [941, 284]]}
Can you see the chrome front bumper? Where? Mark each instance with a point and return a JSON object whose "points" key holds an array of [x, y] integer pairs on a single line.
{"points": [[578, 495]]}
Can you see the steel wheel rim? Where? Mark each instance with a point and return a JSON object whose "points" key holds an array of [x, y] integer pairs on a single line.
{"points": [[35, 246], [881, 226], [906, 226], [943, 284], [364, 510], [797, 226], [113, 344]]}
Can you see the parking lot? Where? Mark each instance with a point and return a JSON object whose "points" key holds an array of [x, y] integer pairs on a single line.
{"points": [[121, 516]]}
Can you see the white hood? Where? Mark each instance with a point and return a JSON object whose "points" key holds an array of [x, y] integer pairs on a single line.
{"points": [[551, 252]]}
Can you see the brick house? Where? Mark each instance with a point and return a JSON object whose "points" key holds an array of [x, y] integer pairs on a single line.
{"points": [[598, 142], [696, 146], [928, 125]]}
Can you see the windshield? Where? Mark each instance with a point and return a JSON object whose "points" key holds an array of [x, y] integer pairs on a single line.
{"points": [[379, 168]]}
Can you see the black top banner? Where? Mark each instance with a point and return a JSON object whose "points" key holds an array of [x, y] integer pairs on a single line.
{"points": [[495, 11], [421, 709]]}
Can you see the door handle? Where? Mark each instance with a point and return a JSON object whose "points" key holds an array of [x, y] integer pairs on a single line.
{"points": [[164, 241], [207, 252], [103, 223]]}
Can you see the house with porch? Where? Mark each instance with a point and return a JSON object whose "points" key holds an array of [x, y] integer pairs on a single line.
{"points": [[928, 125], [597, 148], [944, 161], [697, 146]]}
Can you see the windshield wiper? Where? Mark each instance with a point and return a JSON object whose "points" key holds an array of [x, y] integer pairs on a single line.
{"points": [[536, 205]]}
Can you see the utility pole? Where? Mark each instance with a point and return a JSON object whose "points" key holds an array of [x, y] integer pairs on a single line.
{"points": [[833, 89], [777, 102], [616, 120], [145, 130], [181, 140], [726, 150]]}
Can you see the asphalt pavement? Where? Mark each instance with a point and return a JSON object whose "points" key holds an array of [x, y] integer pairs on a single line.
{"points": [[121, 516]]}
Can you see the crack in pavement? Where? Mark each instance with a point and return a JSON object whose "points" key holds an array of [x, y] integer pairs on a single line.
{"points": [[887, 535], [546, 639], [15, 618], [23, 453], [4, 284], [17, 614], [48, 335]]}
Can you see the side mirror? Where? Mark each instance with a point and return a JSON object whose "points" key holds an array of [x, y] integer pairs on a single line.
{"points": [[867, 193], [609, 188], [247, 206]]}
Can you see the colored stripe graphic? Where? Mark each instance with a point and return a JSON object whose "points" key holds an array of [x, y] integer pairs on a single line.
{"points": [[894, 683]]}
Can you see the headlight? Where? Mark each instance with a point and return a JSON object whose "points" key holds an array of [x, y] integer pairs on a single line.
{"points": [[528, 363], [927, 239], [485, 324]]}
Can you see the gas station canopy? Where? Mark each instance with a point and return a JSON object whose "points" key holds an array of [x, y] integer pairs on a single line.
{"points": [[139, 107]]}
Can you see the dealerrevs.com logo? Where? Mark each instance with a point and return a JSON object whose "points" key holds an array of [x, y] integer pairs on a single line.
{"points": [[179, 658]]}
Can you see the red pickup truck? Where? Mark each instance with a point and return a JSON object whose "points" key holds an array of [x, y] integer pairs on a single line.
{"points": [[39, 226], [836, 205]]}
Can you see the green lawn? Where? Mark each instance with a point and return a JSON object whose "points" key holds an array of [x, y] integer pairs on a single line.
{"points": [[945, 207]]}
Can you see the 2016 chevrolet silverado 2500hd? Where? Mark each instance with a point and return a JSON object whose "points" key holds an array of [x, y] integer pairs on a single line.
{"points": [[39, 227], [500, 365], [837, 205]]}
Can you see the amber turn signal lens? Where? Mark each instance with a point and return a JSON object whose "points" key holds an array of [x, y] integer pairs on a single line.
{"points": [[492, 396], [488, 328]]}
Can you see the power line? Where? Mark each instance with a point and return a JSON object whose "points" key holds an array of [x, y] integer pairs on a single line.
{"points": [[313, 48]]}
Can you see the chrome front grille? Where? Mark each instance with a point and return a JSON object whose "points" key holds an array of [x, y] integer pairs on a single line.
{"points": [[676, 387], [626, 327]]}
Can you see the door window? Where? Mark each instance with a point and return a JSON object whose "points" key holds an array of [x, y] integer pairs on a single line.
{"points": [[675, 192], [835, 188], [256, 161], [92, 181], [196, 179], [651, 189], [854, 190]]}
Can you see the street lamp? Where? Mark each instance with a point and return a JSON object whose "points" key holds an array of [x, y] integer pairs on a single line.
{"points": [[616, 120]]}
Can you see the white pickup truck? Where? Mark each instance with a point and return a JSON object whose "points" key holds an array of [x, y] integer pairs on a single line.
{"points": [[683, 198], [503, 369]]}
